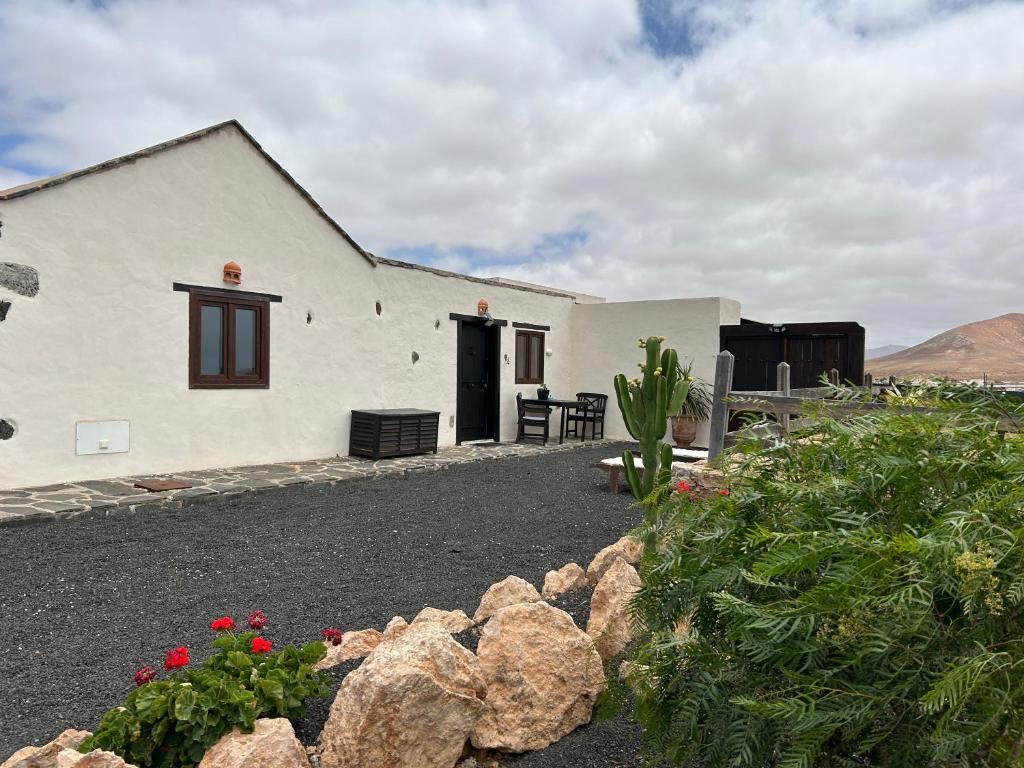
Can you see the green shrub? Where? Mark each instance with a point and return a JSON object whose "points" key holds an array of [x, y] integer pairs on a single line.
{"points": [[856, 598], [170, 723]]}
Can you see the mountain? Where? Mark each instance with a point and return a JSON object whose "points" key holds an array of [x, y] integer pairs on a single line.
{"points": [[888, 349], [993, 348]]}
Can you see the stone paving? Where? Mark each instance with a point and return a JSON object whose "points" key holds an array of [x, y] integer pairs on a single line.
{"points": [[101, 497]]}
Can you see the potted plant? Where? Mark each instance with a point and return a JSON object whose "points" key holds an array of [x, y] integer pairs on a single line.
{"points": [[696, 408], [543, 392]]}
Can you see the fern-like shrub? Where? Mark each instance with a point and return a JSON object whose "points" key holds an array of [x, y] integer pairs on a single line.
{"points": [[856, 599]]}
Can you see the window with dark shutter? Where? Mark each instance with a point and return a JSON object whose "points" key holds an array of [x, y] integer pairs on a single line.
{"points": [[529, 357]]}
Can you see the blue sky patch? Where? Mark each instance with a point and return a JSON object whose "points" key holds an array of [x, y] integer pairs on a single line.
{"points": [[667, 31], [549, 247]]}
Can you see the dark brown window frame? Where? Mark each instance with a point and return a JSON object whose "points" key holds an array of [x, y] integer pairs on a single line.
{"points": [[531, 377], [228, 300]]}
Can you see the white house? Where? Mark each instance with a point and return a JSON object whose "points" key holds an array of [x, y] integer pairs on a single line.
{"points": [[123, 349]]}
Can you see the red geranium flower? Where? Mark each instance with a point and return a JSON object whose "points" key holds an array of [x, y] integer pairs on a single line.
{"points": [[257, 620], [144, 675], [723, 491], [333, 636], [683, 487], [223, 624], [176, 658], [259, 645]]}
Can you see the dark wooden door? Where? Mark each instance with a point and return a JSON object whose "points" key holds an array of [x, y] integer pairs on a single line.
{"points": [[477, 373]]}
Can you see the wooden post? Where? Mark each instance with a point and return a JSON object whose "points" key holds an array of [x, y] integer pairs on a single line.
{"points": [[782, 385], [833, 377], [869, 383], [719, 409]]}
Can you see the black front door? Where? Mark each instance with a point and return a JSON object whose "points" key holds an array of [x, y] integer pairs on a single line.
{"points": [[477, 398]]}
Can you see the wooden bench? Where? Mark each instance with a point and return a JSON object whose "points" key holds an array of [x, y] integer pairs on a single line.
{"points": [[615, 466]]}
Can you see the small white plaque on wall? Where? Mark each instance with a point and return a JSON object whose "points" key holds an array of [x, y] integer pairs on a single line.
{"points": [[93, 437]]}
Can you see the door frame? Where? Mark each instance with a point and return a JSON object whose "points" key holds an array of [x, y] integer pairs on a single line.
{"points": [[495, 327]]}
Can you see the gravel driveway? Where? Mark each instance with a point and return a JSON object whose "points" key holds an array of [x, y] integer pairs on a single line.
{"points": [[84, 603]]}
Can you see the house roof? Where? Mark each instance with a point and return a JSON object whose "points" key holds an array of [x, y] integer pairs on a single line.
{"points": [[53, 181], [495, 281]]}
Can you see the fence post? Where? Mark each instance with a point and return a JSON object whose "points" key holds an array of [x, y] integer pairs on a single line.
{"points": [[719, 409], [833, 377], [782, 385], [869, 383]]}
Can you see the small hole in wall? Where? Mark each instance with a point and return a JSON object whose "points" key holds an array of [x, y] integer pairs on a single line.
{"points": [[309, 318], [378, 309], [437, 325], [415, 357], [451, 421], [6, 430]]}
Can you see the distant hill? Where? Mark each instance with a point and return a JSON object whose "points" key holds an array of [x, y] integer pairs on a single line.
{"points": [[993, 348], [888, 349]]}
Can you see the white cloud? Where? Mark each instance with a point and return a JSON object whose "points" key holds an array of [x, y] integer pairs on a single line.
{"points": [[816, 160]]}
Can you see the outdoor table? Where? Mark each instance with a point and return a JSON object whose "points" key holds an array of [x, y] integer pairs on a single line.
{"points": [[551, 402]]}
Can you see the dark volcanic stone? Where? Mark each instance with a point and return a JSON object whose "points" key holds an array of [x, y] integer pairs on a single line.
{"points": [[19, 278]]}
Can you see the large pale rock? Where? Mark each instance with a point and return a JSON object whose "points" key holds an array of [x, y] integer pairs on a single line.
{"points": [[626, 548], [395, 627], [453, 621], [568, 578], [411, 704], [507, 592], [46, 755], [609, 609], [272, 744], [543, 675], [69, 758], [20, 756], [354, 645]]}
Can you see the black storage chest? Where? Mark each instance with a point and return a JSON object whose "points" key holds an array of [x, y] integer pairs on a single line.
{"points": [[392, 432]]}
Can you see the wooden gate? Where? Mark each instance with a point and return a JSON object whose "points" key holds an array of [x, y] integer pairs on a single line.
{"points": [[810, 349]]}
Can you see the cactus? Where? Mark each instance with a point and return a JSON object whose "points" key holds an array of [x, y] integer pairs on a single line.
{"points": [[646, 405]]}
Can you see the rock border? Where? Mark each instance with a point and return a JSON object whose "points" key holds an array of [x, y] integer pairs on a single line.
{"points": [[509, 654]]}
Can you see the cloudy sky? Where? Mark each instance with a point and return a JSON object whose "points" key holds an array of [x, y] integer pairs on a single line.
{"points": [[817, 160]]}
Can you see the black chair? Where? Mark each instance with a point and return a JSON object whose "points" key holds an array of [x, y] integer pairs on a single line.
{"points": [[589, 411], [532, 416]]}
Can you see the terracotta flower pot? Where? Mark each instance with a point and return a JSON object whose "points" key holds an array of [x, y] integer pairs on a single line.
{"points": [[684, 430]]}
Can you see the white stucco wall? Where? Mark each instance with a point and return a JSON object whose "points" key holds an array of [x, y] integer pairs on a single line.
{"points": [[107, 337], [605, 343], [413, 300]]}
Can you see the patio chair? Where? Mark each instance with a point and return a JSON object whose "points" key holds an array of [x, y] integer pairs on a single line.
{"points": [[534, 417], [589, 411]]}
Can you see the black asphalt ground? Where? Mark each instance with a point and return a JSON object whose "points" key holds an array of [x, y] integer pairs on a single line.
{"points": [[84, 603]]}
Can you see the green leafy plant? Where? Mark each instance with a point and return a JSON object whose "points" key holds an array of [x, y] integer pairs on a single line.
{"points": [[856, 598], [646, 405], [170, 723], [697, 400]]}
